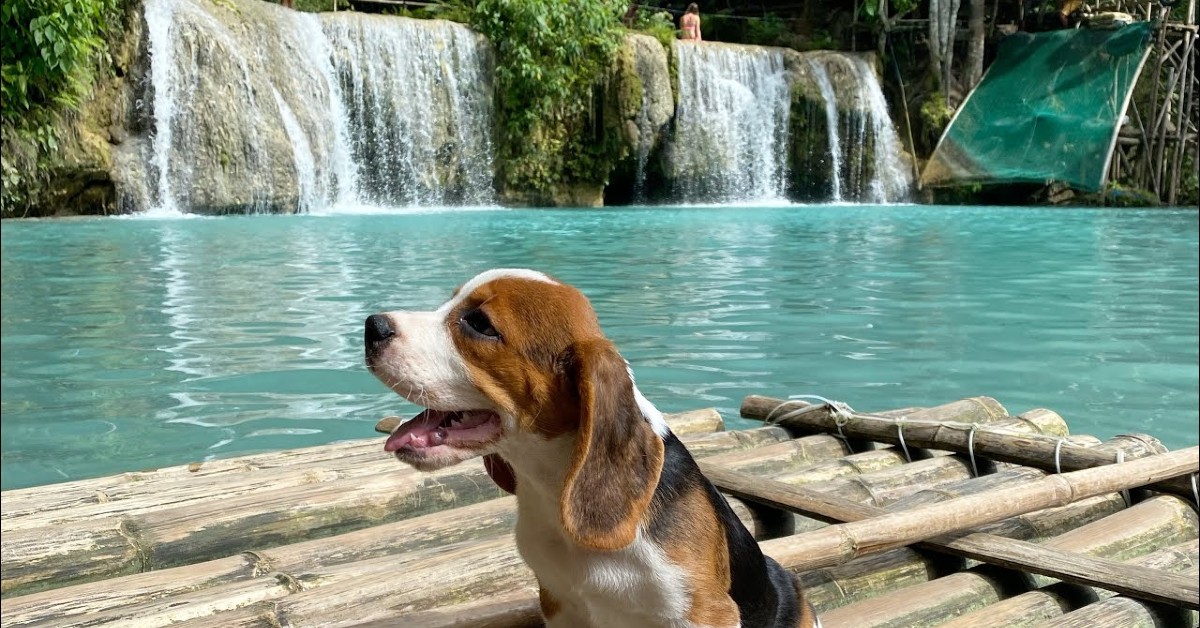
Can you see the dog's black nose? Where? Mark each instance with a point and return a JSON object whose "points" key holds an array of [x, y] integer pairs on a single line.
{"points": [[377, 330]]}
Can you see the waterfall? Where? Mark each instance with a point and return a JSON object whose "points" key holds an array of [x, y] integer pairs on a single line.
{"points": [[731, 126], [866, 163], [644, 143], [415, 104], [267, 109], [831, 124]]}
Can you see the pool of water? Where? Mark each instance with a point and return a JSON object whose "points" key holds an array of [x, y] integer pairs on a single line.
{"points": [[135, 343]]}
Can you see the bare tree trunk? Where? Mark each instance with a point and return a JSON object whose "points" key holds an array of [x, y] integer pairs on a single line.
{"points": [[974, 66], [943, 18]]}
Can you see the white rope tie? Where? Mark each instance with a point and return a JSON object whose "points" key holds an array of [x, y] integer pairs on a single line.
{"points": [[836, 408], [1195, 492], [839, 422], [971, 450], [840, 411], [1058, 455], [900, 434], [1124, 493]]}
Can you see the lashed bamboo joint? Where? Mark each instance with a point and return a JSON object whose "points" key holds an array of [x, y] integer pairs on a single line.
{"points": [[957, 515]]}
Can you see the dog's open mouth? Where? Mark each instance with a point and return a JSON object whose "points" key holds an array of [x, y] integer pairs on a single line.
{"points": [[466, 429]]}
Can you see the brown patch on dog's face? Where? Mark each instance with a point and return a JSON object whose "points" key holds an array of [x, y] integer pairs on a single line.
{"points": [[519, 367]]}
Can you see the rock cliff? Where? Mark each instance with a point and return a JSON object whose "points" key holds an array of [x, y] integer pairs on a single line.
{"points": [[249, 107]]}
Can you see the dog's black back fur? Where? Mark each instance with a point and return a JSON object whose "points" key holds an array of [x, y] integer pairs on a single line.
{"points": [[763, 591]]}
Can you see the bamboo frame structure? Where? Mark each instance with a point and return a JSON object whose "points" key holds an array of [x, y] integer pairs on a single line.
{"points": [[1151, 151], [879, 532]]}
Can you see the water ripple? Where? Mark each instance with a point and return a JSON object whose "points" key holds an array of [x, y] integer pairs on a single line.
{"points": [[135, 344]]}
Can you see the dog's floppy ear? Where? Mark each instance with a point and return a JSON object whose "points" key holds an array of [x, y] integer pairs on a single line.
{"points": [[618, 457]]}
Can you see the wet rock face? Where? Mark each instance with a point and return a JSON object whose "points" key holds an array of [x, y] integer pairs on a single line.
{"points": [[843, 145], [217, 108], [655, 74], [221, 144], [79, 180], [731, 126], [266, 109], [640, 86]]}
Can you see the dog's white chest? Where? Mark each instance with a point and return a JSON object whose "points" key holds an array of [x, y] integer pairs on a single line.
{"points": [[635, 586]]}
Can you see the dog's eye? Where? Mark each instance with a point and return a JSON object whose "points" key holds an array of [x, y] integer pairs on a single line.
{"points": [[479, 323]]}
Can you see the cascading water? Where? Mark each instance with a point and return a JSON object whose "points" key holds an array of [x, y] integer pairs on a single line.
{"points": [[644, 144], [416, 106], [831, 124], [268, 109], [866, 163], [731, 126]]}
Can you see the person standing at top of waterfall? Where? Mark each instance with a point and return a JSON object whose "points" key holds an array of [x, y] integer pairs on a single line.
{"points": [[689, 24]]}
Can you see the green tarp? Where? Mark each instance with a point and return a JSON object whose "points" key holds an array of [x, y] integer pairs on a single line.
{"points": [[1048, 109]]}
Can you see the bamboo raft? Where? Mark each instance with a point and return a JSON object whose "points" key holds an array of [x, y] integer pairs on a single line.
{"points": [[955, 515]]}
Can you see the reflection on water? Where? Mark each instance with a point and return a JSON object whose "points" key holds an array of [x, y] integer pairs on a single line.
{"points": [[131, 344]]}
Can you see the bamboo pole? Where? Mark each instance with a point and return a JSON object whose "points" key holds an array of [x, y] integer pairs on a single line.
{"points": [[44, 552], [439, 528], [720, 442], [1187, 93], [519, 609], [1033, 607], [875, 477], [155, 540], [1164, 520], [1123, 612], [688, 422], [843, 542], [968, 410], [874, 575], [887, 456], [859, 579], [310, 607], [1043, 452], [99, 599], [103, 600], [216, 479], [358, 590], [345, 575]]}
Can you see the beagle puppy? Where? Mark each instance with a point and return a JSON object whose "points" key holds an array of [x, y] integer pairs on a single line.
{"points": [[613, 515]]}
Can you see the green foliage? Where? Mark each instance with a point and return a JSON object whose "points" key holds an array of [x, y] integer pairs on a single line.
{"points": [[316, 6], [659, 25], [769, 31], [49, 50], [898, 8], [550, 54], [1118, 195], [935, 115]]}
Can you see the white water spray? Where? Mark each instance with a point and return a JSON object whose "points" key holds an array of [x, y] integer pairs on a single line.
{"points": [[731, 126]]}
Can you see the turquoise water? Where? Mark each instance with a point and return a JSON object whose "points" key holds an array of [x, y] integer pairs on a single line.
{"points": [[135, 343]]}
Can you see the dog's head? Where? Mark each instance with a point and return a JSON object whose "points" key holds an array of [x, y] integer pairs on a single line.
{"points": [[516, 354]]}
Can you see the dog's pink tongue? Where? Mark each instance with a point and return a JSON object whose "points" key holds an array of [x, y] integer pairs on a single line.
{"points": [[419, 431]]}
